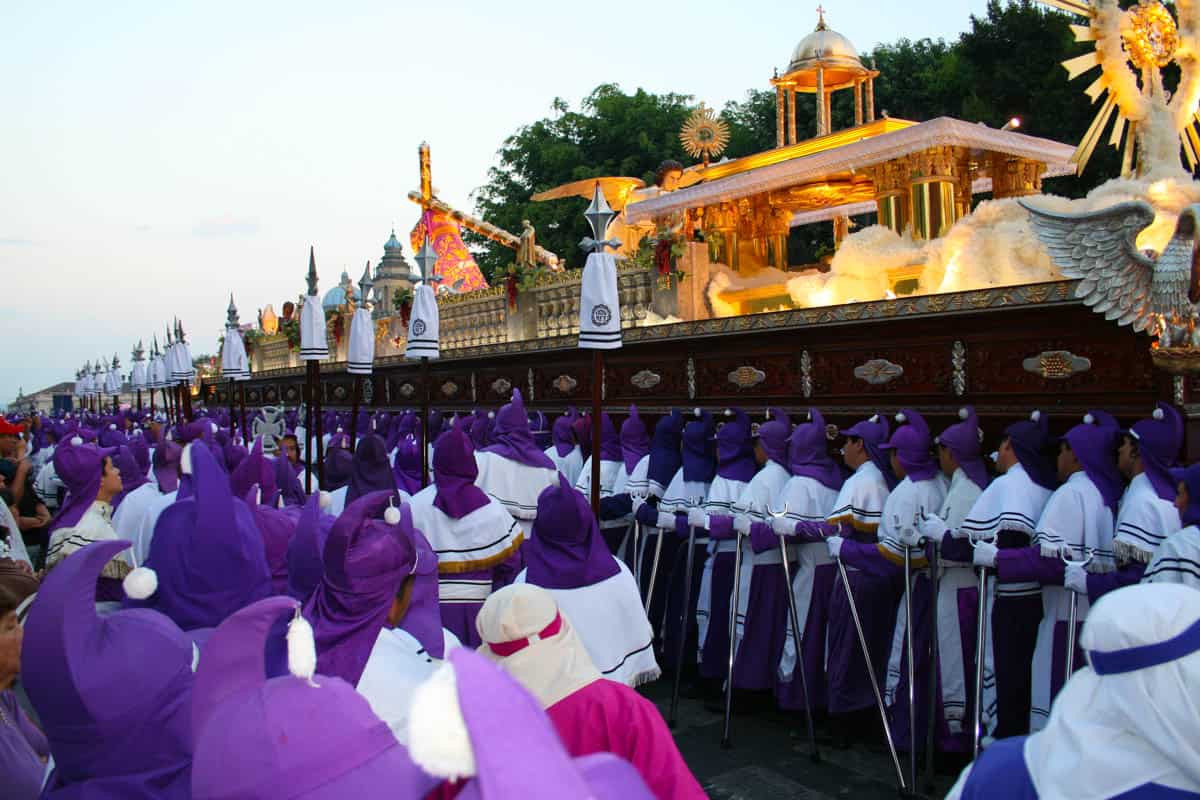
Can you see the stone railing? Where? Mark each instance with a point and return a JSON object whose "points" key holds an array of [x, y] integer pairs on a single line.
{"points": [[474, 319]]}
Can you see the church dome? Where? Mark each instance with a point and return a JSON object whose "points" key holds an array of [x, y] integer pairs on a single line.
{"points": [[337, 296], [832, 52], [393, 266], [392, 243]]}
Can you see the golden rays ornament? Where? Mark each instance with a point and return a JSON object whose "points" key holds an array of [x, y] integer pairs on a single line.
{"points": [[1132, 46], [704, 135]]}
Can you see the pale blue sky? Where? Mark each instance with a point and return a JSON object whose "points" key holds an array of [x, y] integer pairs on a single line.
{"points": [[157, 155]]}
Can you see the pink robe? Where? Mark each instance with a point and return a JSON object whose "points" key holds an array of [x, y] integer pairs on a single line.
{"points": [[609, 717]]}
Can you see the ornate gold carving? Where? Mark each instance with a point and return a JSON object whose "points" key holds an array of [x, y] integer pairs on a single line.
{"points": [[645, 379], [878, 371], [746, 377], [565, 384], [1056, 364]]}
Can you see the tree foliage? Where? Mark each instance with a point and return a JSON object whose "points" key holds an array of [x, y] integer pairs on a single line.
{"points": [[1008, 63]]}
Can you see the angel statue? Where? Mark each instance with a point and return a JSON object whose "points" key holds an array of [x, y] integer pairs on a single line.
{"points": [[527, 248], [1151, 292]]}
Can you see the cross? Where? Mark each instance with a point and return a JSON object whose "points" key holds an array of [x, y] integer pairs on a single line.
{"points": [[821, 14]]}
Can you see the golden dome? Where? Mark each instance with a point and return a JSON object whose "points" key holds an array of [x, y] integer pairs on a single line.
{"points": [[829, 50]]}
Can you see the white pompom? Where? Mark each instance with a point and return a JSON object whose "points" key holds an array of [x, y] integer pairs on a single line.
{"points": [[279, 502], [696, 412], [112, 426], [963, 413], [808, 416], [874, 420], [214, 427], [438, 739], [937, 440], [339, 430], [326, 500], [302, 649], [901, 419], [77, 440], [140, 584], [1088, 419], [979, 433], [1035, 416], [1158, 413], [729, 412], [392, 516], [185, 460], [491, 415]]}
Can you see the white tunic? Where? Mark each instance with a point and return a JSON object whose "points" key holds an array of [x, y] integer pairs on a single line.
{"points": [[127, 519], [1143, 520], [759, 496], [515, 485], [94, 526], [1075, 518], [955, 576], [1177, 560], [569, 465], [612, 624], [145, 529], [398, 664], [806, 500]]}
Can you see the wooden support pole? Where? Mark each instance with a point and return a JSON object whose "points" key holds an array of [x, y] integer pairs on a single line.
{"points": [[424, 427], [597, 381]]}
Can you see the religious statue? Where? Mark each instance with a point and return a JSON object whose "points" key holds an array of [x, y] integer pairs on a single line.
{"points": [[527, 249]]}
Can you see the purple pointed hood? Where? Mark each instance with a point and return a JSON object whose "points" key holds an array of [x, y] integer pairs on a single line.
{"points": [[565, 549], [365, 562], [562, 436], [1190, 478], [1031, 442], [610, 443], [1094, 444], [874, 434], [407, 468], [581, 424], [665, 456], [277, 528], [808, 453], [287, 485], [207, 551], [132, 476], [513, 439], [698, 456], [911, 441], [1159, 440], [371, 471], [481, 423], [454, 474], [141, 455], [254, 470], [735, 447], [339, 466], [635, 444], [166, 466], [80, 467], [539, 426], [113, 693], [305, 553], [964, 440], [261, 736], [423, 619], [773, 436]]}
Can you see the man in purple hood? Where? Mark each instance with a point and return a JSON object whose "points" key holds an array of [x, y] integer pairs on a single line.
{"points": [[563, 450], [1077, 522], [514, 470]]}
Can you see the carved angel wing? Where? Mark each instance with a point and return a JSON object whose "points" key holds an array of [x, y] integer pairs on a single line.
{"points": [[1100, 248]]}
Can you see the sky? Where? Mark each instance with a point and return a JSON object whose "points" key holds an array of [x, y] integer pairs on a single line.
{"points": [[157, 156]]}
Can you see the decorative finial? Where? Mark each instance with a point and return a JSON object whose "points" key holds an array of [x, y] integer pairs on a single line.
{"points": [[154, 347], [426, 260], [820, 18], [139, 352], [599, 215], [170, 340], [365, 283], [312, 272], [231, 314], [179, 334], [116, 364]]}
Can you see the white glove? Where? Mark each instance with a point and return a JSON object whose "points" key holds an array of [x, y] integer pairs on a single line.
{"points": [[741, 524], [985, 554], [783, 526], [932, 527], [638, 502], [910, 537], [666, 520], [1075, 578], [834, 543], [697, 518]]}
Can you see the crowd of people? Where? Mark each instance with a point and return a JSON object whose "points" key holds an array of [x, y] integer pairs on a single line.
{"points": [[189, 611]]}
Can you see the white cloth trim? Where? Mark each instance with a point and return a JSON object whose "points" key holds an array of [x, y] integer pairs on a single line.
{"points": [[1177, 560], [1144, 520], [360, 353], [485, 533], [861, 498], [569, 465], [423, 324], [398, 664], [599, 304], [807, 500], [515, 485], [314, 344]]}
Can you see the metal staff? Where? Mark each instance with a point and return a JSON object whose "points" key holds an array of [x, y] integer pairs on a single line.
{"points": [[866, 650], [912, 678], [980, 651], [797, 642], [654, 568], [683, 622], [1073, 614], [932, 683], [733, 609]]}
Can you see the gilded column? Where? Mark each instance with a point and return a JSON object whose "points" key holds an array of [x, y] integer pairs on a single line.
{"points": [[871, 99], [858, 105], [821, 121], [780, 99], [791, 110], [1015, 177], [828, 113]]}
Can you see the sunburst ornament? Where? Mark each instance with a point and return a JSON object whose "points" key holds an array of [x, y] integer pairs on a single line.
{"points": [[1132, 48], [704, 135]]}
